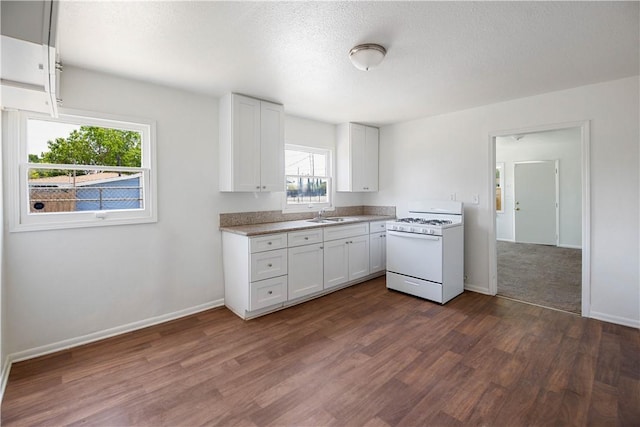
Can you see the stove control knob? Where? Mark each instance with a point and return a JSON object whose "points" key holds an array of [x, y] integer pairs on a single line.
{"points": [[432, 232]]}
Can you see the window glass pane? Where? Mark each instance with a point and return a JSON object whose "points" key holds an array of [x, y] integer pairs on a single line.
{"points": [[54, 190], [305, 163], [319, 165], [305, 190], [64, 143]]}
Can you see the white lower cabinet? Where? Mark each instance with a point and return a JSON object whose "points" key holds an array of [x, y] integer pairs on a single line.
{"points": [[265, 273], [336, 263], [358, 257], [268, 292], [345, 260], [268, 264], [305, 270], [377, 252]]}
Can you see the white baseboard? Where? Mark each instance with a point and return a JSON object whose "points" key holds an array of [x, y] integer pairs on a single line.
{"points": [[478, 289], [506, 240], [107, 333], [570, 246], [633, 323]]}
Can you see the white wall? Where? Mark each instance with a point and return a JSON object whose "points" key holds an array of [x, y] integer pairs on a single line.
{"points": [[3, 323], [435, 156], [562, 145], [67, 284]]}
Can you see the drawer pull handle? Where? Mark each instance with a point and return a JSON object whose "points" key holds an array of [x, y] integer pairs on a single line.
{"points": [[270, 292], [269, 265]]}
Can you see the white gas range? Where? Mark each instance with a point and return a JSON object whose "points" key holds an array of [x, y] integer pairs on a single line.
{"points": [[425, 251]]}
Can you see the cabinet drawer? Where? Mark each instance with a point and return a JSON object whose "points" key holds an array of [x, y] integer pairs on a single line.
{"points": [[268, 242], [267, 292], [342, 231], [265, 265], [306, 237], [377, 226]]}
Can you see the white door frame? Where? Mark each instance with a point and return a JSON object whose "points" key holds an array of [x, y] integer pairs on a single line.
{"points": [[586, 204], [557, 197]]}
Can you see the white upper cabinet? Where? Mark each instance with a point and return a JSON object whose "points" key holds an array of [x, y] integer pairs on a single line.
{"points": [[251, 144], [357, 158]]}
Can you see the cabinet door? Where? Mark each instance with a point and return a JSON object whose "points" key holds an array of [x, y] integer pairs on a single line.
{"points": [[357, 134], [305, 270], [336, 263], [377, 252], [271, 147], [358, 257], [370, 167], [246, 143]]}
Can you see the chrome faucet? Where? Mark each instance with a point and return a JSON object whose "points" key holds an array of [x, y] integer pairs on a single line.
{"points": [[321, 213]]}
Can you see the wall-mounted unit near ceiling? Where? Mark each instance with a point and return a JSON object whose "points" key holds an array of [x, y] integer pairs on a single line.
{"points": [[29, 72]]}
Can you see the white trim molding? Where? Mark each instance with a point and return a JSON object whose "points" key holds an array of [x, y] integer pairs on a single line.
{"points": [[4, 378], [633, 323], [108, 333]]}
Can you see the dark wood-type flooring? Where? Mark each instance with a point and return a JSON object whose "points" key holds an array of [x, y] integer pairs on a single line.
{"points": [[360, 356], [540, 274]]}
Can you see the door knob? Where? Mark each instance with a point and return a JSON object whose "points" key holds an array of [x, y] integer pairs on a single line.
{"points": [[517, 209]]}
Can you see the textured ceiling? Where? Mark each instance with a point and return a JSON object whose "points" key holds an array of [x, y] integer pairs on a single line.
{"points": [[442, 56]]}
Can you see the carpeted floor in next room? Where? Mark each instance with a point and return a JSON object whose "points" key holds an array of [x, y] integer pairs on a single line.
{"points": [[545, 275]]}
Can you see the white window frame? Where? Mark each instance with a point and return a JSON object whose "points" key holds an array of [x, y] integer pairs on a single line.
{"points": [[20, 217], [311, 207]]}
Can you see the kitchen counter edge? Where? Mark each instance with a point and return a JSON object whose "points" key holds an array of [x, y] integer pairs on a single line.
{"points": [[305, 224]]}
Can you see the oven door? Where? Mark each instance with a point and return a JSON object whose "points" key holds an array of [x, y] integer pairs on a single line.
{"points": [[415, 255]]}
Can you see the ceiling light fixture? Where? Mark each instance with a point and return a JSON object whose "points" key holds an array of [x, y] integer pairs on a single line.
{"points": [[367, 56]]}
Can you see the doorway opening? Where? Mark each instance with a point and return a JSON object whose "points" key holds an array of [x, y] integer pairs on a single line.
{"points": [[539, 244]]}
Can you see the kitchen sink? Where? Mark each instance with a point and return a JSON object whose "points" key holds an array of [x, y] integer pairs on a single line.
{"points": [[332, 219], [320, 220]]}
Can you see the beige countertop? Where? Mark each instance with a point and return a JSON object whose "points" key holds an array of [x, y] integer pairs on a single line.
{"points": [[285, 226]]}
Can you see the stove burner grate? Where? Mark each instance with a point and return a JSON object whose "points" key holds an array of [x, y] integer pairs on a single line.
{"points": [[424, 221]]}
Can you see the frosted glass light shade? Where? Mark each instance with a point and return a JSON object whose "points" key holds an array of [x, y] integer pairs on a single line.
{"points": [[367, 56]]}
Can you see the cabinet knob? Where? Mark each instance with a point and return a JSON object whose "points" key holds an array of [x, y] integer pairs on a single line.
{"points": [[268, 243], [321, 247], [269, 265], [258, 187], [306, 238], [264, 187], [270, 292]]}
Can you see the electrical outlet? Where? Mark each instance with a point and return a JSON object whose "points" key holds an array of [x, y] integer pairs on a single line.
{"points": [[476, 199], [452, 196]]}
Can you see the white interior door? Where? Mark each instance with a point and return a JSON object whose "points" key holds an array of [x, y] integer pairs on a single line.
{"points": [[535, 202]]}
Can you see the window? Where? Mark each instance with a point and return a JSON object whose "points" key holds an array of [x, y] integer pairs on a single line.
{"points": [[308, 178], [79, 170]]}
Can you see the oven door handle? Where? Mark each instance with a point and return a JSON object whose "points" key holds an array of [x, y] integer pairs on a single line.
{"points": [[413, 235]]}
